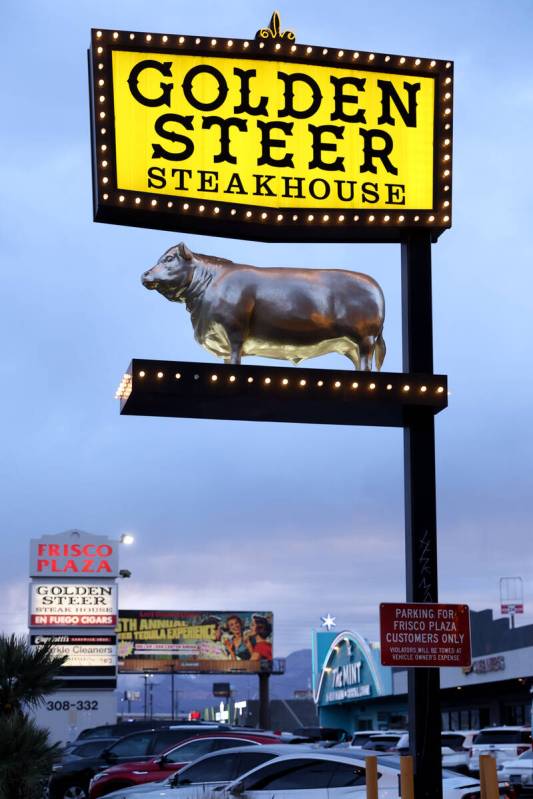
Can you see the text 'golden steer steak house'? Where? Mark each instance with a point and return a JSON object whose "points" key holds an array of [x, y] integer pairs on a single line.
{"points": [[235, 137]]}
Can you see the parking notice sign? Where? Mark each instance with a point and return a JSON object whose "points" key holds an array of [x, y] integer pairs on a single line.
{"points": [[424, 634]]}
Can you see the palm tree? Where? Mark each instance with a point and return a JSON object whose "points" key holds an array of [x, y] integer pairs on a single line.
{"points": [[26, 673], [26, 757]]}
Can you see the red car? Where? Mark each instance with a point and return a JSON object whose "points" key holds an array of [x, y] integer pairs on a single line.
{"points": [[162, 766]]}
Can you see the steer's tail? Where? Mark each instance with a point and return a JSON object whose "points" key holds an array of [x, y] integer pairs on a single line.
{"points": [[380, 350]]}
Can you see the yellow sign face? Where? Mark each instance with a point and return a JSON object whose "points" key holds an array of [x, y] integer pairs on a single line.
{"points": [[271, 133], [248, 134]]}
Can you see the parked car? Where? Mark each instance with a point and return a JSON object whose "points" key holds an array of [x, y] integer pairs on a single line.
{"points": [[519, 772], [123, 728], [91, 747], [315, 734], [331, 774], [209, 773], [455, 748], [502, 743], [382, 742], [362, 737], [172, 760], [70, 778]]}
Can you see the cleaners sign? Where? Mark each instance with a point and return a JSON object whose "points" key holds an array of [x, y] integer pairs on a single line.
{"points": [[425, 634], [268, 139], [91, 655]]}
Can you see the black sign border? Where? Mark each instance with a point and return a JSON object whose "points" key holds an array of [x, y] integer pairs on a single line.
{"points": [[255, 222]]}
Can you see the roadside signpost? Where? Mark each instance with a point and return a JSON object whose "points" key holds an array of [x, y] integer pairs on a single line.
{"points": [[272, 140], [73, 602]]}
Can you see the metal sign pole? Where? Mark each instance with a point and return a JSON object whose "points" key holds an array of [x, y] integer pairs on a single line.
{"points": [[420, 512], [264, 700]]}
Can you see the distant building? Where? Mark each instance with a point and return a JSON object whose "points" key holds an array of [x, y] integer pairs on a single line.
{"points": [[353, 690], [285, 714]]}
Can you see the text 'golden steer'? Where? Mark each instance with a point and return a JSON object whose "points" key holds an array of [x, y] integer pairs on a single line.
{"points": [[285, 313]]}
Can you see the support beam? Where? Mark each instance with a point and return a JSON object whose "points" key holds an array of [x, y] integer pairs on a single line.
{"points": [[420, 512], [264, 701]]}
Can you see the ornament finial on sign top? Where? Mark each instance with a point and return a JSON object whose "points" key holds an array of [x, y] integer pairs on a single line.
{"points": [[274, 30]]}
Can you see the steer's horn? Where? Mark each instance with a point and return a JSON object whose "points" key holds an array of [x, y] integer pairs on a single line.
{"points": [[184, 251]]}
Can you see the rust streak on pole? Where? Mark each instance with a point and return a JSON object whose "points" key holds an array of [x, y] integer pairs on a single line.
{"points": [[371, 765], [407, 777]]}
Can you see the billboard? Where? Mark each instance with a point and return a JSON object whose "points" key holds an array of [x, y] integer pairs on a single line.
{"points": [[73, 553], [194, 641], [66, 603], [87, 655], [268, 139]]}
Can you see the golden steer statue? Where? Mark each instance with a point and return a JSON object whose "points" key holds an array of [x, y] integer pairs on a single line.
{"points": [[285, 313]]}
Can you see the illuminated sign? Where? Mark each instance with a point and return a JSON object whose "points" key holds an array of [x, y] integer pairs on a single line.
{"points": [[73, 553], [350, 669], [85, 653], [68, 603], [268, 139], [194, 641]]}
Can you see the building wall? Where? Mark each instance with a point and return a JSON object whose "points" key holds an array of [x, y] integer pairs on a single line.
{"points": [[496, 690]]}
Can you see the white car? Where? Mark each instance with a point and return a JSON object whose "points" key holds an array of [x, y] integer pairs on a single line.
{"points": [[455, 748], [209, 773], [519, 771], [330, 775], [501, 743], [382, 741]]}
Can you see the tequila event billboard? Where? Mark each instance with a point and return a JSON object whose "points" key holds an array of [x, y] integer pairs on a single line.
{"points": [[87, 655], [66, 603], [268, 139], [194, 641]]}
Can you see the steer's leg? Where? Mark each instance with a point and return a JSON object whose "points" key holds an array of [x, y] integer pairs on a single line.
{"points": [[353, 354], [236, 351], [366, 350]]}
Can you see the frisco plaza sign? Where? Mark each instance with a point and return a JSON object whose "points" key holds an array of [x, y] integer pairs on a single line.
{"points": [[268, 139], [73, 553]]}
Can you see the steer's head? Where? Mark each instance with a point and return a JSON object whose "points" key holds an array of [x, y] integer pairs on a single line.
{"points": [[172, 273]]}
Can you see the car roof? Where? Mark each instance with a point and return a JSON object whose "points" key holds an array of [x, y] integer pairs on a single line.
{"points": [[503, 728], [277, 749], [86, 741]]}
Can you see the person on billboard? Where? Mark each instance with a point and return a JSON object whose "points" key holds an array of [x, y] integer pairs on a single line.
{"points": [[215, 648], [260, 632], [238, 647]]}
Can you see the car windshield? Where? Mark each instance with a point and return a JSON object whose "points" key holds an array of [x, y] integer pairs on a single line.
{"points": [[360, 738], [453, 740], [502, 737]]}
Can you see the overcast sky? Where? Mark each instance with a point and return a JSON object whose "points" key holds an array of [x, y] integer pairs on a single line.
{"points": [[302, 520]]}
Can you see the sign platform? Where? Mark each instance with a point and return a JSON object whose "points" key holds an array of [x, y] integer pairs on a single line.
{"points": [[277, 394]]}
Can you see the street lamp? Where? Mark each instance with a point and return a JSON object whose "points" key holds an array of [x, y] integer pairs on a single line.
{"points": [[147, 677], [127, 538]]}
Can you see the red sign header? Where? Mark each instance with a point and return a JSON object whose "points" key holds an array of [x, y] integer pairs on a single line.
{"points": [[424, 634], [72, 554]]}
